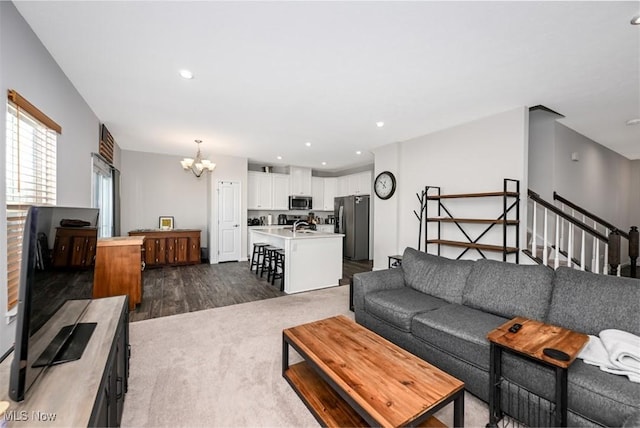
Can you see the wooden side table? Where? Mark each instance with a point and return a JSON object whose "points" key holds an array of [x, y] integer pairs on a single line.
{"points": [[529, 342], [395, 261]]}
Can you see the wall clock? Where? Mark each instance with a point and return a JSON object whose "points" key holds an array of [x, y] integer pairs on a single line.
{"points": [[385, 185]]}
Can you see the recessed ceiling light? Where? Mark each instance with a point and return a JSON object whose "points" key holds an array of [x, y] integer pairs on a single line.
{"points": [[358, 152], [633, 121], [308, 144], [635, 20], [279, 157], [186, 74], [379, 124], [324, 163]]}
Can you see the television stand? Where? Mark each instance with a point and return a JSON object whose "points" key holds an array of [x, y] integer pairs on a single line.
{"points": [[68, 345], [85, 392]]}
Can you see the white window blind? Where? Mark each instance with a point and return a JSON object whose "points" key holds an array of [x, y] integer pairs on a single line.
{"points": [[30, 179]]}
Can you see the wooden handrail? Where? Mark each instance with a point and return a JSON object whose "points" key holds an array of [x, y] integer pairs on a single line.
{"points": [[581, 210], [534, 196]]}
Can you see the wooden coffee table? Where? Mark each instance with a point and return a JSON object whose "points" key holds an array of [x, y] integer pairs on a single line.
{"points": [[350, 376]]}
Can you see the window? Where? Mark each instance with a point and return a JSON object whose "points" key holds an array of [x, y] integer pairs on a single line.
{"points": [[103, 195], [30, 176]]}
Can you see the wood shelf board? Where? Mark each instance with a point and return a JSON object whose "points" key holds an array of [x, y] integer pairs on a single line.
{"points": [[387, 382], [472, 220], [326, 404], [534, 336], [472, 195], [498, 248]]}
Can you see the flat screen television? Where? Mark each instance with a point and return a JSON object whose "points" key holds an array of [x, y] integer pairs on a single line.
{"points": [[50, 302]]}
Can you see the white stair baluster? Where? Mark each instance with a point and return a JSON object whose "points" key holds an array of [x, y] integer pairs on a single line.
{"points": [[582, 253], [545, 248], [562, 233], [534, 231], [556, 259], [596, 252], [570, 246]]}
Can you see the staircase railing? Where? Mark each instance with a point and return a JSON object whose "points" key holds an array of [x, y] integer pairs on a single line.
{"points": [[580, 240]]}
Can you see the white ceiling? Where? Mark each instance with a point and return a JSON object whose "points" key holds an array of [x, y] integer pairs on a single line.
{"points": [[270, 76]]}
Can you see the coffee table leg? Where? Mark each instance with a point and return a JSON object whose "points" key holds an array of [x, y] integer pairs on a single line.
{"points": [[458, 410], [285, 354]]}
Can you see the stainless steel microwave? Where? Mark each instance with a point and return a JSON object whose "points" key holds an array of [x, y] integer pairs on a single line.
{"points": [[300, 203]]}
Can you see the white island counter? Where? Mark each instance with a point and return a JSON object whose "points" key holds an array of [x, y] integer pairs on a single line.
{"points": [[313, 259]]}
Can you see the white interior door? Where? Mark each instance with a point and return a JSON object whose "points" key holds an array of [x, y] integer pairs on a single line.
{"points": [[229, 221]]}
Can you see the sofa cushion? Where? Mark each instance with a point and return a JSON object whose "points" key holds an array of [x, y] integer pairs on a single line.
{"points": [[509, 290], [590, 303], [435, 275], [398, 306], [459, 331]]}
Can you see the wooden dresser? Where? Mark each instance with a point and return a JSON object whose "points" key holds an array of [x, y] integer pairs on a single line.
{"points": [[74, 247], [170, 247], [119, 268]]}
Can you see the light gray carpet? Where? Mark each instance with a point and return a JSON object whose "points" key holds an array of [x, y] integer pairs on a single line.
{"points": [[222, 367]]}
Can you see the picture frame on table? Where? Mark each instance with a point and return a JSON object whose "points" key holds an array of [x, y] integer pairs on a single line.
{"points": [[165, 223]]}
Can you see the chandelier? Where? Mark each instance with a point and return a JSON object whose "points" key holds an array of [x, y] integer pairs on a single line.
{"points": [[197, 165]]}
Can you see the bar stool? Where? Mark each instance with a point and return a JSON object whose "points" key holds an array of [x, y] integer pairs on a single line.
{"points": [[267, 260], [258, 255], [279, 264]]}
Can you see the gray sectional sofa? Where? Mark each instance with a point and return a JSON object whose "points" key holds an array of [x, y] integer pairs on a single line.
{"points": [[442, 310]]}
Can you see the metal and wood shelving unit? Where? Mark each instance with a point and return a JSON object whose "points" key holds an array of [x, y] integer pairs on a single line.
{"points": [[509, 219]]}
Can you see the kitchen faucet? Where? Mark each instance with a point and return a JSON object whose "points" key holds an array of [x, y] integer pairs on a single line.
{"points": [[298, 223]]}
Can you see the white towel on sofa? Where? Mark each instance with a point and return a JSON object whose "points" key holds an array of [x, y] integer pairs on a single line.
{"points": [[623, 349], [596, 354]]}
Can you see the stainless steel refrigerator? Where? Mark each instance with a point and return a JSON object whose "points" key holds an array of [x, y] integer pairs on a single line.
{"points": [[352, 219]]}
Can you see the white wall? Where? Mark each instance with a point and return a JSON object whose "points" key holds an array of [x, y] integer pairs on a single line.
{"points": [[542, 152], [600, 181], [385, 219], [472, 157], [228, 168], [154, 185], [634, 194], [27, 67]]}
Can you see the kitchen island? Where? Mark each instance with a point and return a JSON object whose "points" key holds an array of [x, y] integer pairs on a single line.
{"points": [[313, 259]]}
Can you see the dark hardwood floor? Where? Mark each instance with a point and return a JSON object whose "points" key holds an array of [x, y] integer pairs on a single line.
{"points": [[176, 290]]}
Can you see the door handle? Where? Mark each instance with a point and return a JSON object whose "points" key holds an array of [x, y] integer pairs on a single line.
{"points": [[236, 225]]}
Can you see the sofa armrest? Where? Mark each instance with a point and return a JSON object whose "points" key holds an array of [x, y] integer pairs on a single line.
{"points": [[368, 282]]}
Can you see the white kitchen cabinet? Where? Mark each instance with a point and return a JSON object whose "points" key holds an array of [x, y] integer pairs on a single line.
{"points": [[259, 191], [280, 192], [343, 186], [317, 193], [330, 192], [300, 179], [362, 183]]}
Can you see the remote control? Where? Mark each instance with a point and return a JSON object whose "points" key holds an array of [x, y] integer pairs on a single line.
{"points": [[514, 328], [556, 354]]}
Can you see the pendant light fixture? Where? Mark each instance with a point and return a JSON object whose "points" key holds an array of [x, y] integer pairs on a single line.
{"points": [[198, 165]]}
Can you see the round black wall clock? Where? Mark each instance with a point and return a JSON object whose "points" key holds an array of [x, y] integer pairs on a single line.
{"points": [[385, 185]]}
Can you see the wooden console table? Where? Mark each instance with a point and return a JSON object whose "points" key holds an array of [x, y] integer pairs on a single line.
{"points": [[170, 247], [529, 342]]}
